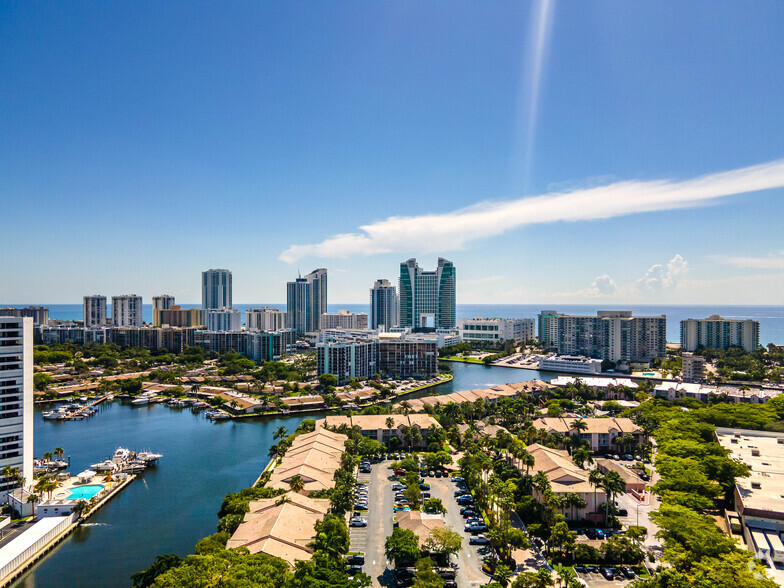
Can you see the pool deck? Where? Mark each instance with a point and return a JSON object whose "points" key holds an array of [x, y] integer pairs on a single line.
{"points": [[111, 490]]}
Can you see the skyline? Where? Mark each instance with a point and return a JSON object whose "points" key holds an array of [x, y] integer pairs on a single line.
{"points": [[555, 153]]}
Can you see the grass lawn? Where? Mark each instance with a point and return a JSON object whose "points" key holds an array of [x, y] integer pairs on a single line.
{"points": [[463, 359]]}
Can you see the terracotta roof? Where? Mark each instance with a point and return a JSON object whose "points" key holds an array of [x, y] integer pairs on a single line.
{"points": [[280, 529], [563, 473], [420, 523], [595, 425]]}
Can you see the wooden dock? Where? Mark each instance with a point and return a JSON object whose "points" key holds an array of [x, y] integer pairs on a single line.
{"points": [[80, 414]]}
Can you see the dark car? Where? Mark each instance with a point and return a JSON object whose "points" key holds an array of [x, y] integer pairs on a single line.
{"points": [[591, 534], [425, 495], [466, 509], [644, 477], [439, 474], [360, 506], [622, 512], [579, 569], [354, 570], [356, 560], [465, 500], [424, 486], [607, 573], [423, 473], [457, 479], [460, 493], [366, 470], [476, 529], [450, 584], [627, 572]]}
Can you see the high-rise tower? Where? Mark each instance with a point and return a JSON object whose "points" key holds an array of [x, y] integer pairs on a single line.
{"points": [[427, 299], [306, 301], [383, 305], [94, 311], [216, 289]]}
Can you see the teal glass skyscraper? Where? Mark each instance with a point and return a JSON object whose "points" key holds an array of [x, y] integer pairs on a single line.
{"points": [[427, 299]]}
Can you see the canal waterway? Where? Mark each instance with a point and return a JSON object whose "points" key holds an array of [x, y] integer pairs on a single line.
{"points": [[174, 504]]}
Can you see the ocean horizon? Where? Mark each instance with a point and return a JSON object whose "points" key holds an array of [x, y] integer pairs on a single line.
{"points": [[770, 317]]}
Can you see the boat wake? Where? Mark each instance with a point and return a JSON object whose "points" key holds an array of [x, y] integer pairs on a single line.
{"points": [[96, 525]]}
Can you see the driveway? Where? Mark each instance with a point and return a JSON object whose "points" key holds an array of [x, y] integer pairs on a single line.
{"points": [[471, 556], [370, 540]]}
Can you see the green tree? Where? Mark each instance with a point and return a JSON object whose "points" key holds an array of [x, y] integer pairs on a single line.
{"points": [[402, 547], [443, 540], [161, 565], [426, 577], [296, 483]]}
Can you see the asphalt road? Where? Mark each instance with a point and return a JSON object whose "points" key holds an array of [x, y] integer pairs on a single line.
{"points": [[370, 540], [471, 556]]}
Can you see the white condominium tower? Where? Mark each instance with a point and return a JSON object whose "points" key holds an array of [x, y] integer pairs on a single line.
{"points": [[127, 310], [16, 398], [383, 305], [265, 319], [427, 299], [94, 311], [216, 289], [306, 301]]}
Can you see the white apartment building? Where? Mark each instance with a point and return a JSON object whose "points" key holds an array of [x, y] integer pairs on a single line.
{"points": [[16, 397], [265, 319], [344, 320], [94, 311], [693, 367], [127, 310], [573, 364], [518, 330], [719, 333], [223, 319], [216, 289]]}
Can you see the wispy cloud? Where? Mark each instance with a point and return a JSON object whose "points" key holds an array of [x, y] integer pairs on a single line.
{"points": [[453, 230], [774, 261]]}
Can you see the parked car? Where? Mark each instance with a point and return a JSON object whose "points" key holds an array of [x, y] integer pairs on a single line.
{"points": [[357, 522], [431, 474], [424, 486], [622, 512], [457, 479], [579, 569], [425, 495], [423, 473], [439, 473], [467, 499], [607, 573], [466, 509], [450, 584], [400, 472], [354, 570], [644, 477], [399, 508], [360, 506], [460, 493], [356, 560], [628, 457], [478, 529], [398, 487], [627, 572], [365, 470], [478, 540]]}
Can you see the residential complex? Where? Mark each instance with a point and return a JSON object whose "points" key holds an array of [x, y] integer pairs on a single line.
{"points": [[127, 311], [265, 319], [306, 301], [719, 333], [216, 289], [383, 305], [94, 311], [222, 319], [600, 433], [344, 320], [347, 359], [496, 330], [693, 369], [174, 316], [382, 427], [611, 334], [16, 394], [427, 299], [39, 314], [159, 303]]}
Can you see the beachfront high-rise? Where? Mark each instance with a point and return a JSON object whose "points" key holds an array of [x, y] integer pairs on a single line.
{"points": [[265, 319], [159, 303], [94, 311], [614, 335], [216, 289], [16, 396], [383, 305], [127, 311], [306, 301], [427, 299], [719, 333]]}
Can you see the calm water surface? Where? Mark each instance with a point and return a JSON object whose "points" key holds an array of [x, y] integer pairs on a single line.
{"points": [[173, 505]]}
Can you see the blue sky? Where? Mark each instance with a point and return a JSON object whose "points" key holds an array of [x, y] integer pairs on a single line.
{"points": [[605, 152]]}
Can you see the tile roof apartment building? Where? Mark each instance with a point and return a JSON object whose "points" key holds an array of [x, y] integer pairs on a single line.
{"points": [[375, 426], [600, 432]]}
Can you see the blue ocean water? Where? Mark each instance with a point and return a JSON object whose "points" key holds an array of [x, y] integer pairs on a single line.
{"points": [[771, 318]]}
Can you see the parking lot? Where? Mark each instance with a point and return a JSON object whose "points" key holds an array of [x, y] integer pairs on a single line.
{"points": [[370, 540]]}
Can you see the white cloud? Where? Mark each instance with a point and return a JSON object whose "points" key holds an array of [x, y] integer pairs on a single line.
{"points": [[604, 285], [657, 278], [774, 261], [453, 230]]}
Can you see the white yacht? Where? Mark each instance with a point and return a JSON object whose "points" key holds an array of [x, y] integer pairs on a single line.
{"points": [[121, 454], [104, 466], [148, 457]]}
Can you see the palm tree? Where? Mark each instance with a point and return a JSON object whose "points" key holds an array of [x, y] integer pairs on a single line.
{"points": [[280, 433], [273, 451], [596, 478], [59, 451], [32, 499], [297, 484], [47, 456], [613, 484], [80, 508], [581, 455], [390, 423], [541, 483]]}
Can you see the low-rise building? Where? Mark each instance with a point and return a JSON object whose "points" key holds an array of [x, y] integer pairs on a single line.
{"points": [[565, 478], [574, 364], [759, 500], [703, 392], [496, 330], [693, 367], [315, 457], [598, 432], [631, 479], [420, 523], [280, 528], [383, 427], [344, 320]]}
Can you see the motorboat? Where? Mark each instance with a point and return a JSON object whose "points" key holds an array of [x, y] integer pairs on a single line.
{"points": [[120, 454], [60, 464], [142, 400], [217, 415], [53, 415], [148, 457], [104, 466], [134, 466]]}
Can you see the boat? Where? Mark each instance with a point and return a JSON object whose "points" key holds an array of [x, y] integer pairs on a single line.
{"points": [[217, 415], [53, 415], [141, 401], [134, 467], [148, 457], [104, 466], [110, 397], [60, 464], [120, 454]]}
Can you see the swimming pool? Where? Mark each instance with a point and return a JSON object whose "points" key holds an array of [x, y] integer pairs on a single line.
{"points": [[85, 492]]}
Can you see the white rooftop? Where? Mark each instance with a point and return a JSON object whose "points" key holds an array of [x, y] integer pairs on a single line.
{"points": [[19, 545]]}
